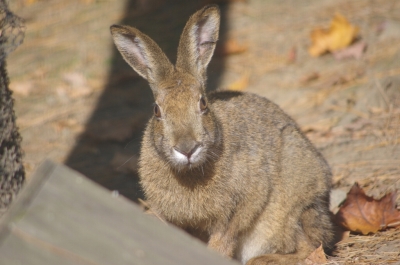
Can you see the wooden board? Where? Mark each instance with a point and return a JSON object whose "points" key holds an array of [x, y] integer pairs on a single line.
{"points": [[61, 217]]}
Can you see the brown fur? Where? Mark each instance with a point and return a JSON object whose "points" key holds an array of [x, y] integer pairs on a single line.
{"points": [[255, 187]]}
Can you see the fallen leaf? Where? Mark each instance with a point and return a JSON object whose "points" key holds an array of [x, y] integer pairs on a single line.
{"points": [[340, 35], [230, 47], [241, 83], [355, 50], [363, 214], [316, 257]]}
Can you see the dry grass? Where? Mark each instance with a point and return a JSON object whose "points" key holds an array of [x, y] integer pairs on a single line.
{"points": [[381, 248]]}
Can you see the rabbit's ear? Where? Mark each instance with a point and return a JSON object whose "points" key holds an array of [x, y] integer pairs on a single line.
{"points": [[141, 53], [198, 41]]}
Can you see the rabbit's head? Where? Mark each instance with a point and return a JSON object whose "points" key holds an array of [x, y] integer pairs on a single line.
{"points": [[183, 128]]}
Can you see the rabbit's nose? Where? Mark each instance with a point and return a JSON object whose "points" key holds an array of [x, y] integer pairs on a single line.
{"points": [[187, 148]]}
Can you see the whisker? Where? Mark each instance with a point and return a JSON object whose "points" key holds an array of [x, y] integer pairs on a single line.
{"points": [[126, 162]]}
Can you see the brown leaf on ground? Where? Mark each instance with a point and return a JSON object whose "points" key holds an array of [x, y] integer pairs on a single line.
{"points": [[340, 35], [355, 50], [230, 47], [363, 214], [316, 257]]}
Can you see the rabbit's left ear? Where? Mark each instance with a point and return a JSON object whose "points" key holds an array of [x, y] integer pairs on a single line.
{"points": [[198, 41]]}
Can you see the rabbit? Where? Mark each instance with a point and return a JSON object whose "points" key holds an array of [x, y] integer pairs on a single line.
{"points": [[230, 167]]}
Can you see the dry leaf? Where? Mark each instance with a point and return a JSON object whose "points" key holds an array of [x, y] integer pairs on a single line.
{"points": [[230, 47], [316, 257], [363, 214], [340, 35], [241, 83], [355, 50]]}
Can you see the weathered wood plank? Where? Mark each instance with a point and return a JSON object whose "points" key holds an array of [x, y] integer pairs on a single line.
{"points": [[63, 218]]}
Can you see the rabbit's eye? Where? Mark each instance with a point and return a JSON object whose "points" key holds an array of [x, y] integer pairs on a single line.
{"points": [[203, 104], [157, 111]]}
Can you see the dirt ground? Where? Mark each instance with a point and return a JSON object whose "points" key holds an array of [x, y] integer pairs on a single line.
{"points": [[78, 103]]}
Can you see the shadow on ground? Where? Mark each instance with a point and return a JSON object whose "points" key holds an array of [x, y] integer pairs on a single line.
{"points": [[107, 151]]}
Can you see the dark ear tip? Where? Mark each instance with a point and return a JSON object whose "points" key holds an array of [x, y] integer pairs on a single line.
{"points": [[210, 8], [123, 30], [115, 27]]}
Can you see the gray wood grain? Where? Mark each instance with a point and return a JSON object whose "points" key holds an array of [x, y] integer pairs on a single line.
{"points": [[62, 218]]}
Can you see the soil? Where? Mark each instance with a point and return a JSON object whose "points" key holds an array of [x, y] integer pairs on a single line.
{"points": [[79, 103]]}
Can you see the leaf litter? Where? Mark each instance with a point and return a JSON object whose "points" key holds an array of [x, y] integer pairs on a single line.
{"points": [[363, 214], [338, 36]]}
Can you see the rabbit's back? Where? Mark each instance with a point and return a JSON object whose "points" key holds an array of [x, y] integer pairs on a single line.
{"points": [[264, 143], [285, 180]]}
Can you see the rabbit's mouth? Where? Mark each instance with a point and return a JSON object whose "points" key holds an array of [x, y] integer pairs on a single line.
{"points": [[191, 158]]}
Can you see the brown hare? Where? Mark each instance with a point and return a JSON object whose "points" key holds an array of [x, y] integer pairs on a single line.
{"points": [[229, 166]]}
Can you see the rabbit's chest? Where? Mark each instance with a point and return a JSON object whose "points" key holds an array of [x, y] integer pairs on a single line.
{"points": [[190, 207]]}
